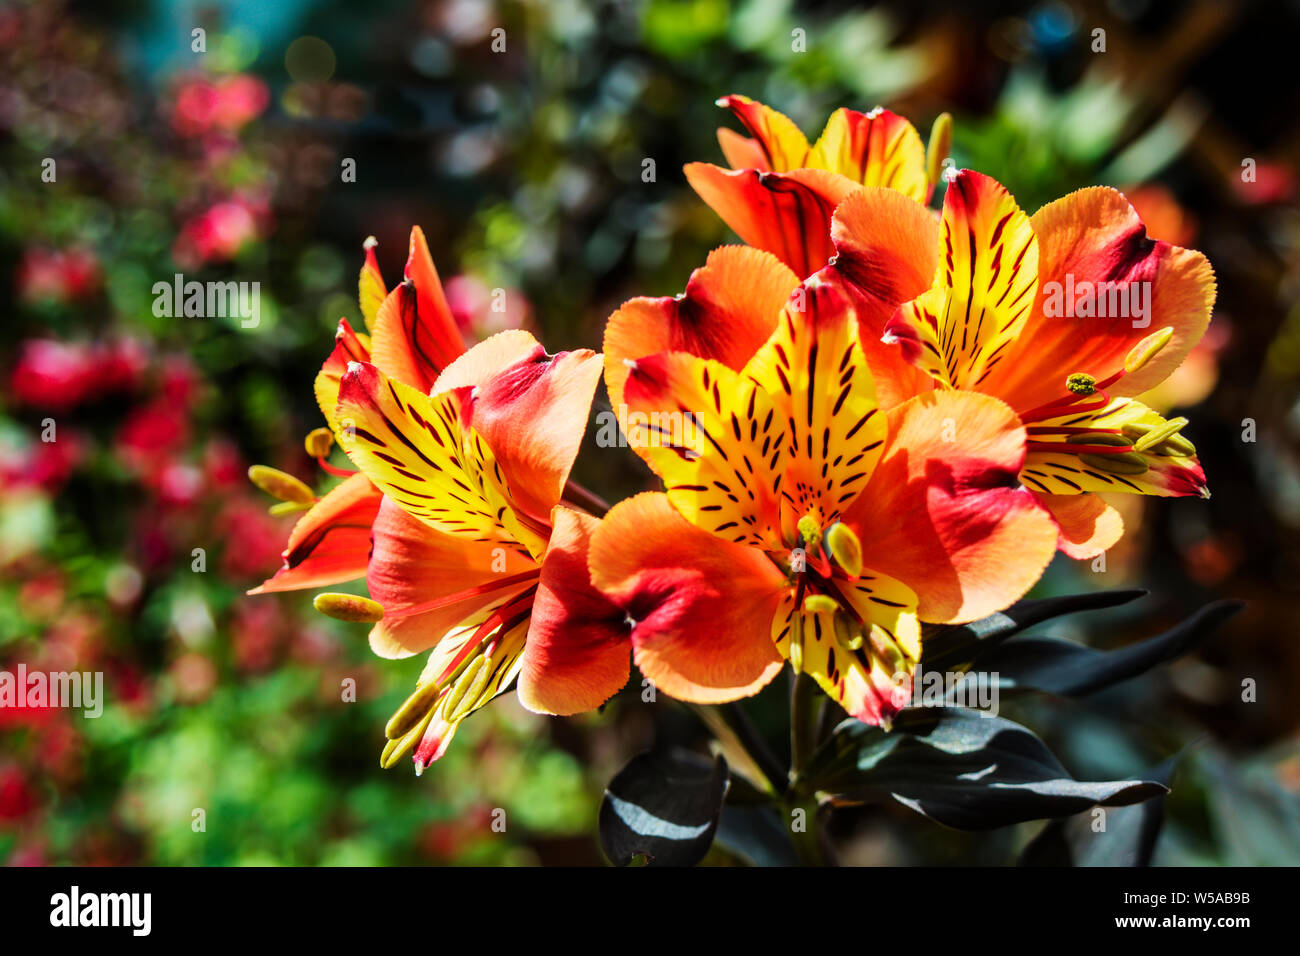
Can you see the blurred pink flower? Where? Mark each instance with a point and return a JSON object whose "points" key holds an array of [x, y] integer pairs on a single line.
{"points": [[481, 311], [39, 464], [17, 798], [53, 375], [223, 103], [61, 276], [217, 233], [61, 375]]}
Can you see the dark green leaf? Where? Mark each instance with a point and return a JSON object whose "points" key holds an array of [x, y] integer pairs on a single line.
{"points": [[950, 646], [758, 834], [960, 768], [1129, 837], [664, 807], [1064, 667]]}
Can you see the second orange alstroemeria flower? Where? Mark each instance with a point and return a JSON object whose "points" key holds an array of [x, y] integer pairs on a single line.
{"points": [[412, 336], [474, 558]]}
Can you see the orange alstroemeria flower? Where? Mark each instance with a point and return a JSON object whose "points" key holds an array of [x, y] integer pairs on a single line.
{"points": [[1064, 316], [800, 521], [412, 336], [781, 191], [474, 558]]}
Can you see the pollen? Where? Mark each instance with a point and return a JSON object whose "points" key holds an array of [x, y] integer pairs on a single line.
{"points": [[349, 607], [318, 442], [1148, 348], [280, 485], [810, 530], [820, 604], [845, 548], [1081, 383]]}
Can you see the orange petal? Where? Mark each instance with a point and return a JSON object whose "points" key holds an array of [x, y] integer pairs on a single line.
{"points": [[788, 214], [534, 415], [397, 330], [486, 359], [728, 310], [829, 427], [428, 582], [943, 512], [416, 336], [781, 143], [1088, 525], [348, 347], [741, 152], [578, 654], [1067, 463], [531, 408], [887, 251], [871, 682], [331, 542], [702, 606], [1093, 236], [420, 452]]}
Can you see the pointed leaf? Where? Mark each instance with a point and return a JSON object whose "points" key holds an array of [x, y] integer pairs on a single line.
{"points": [[960, 768], [663, 806], [951, 646], [1129, 837], [758, 834], [1063, 667]]}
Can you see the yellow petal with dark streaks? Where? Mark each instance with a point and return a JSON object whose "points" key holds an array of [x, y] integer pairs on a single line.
{"points": [[816, 373], [985, 287], [1165, 464], [862, 655], [416, 450], [716, 441], [878, 148]]}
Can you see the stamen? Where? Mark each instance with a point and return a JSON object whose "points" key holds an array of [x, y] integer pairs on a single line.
{"points": [[810, 531], [847, 632], [1159, 434], [278, 484], [1147, 349], [1081, 383], [412, 710], [1120, 463], [318, 442], [892, 657], [796, 643], [939, 147], [349, 607], [394, 750], [845, 548], [462, 686], [820, 604]]}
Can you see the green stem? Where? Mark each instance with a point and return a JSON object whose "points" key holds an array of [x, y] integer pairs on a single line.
{"points": [[732, 727], [589, 501], [803, 706], [805, 714]]}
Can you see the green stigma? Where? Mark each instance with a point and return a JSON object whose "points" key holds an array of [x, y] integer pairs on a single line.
{"points": [[1081, 383], [810, 531]]}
